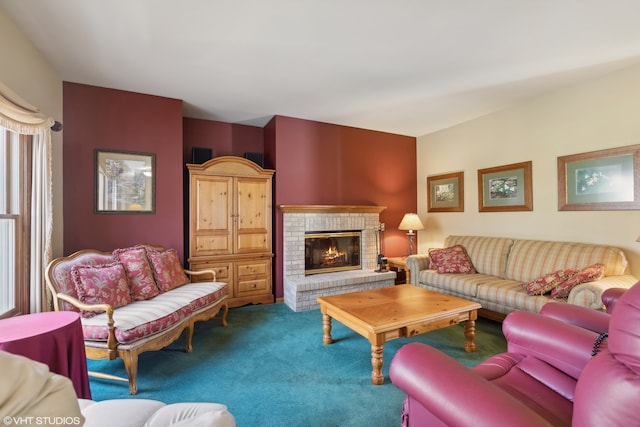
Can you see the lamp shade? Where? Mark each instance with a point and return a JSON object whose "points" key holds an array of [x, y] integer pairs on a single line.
{"points": [[410, 222]]}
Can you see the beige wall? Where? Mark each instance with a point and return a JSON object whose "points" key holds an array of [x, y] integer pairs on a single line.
{"points": [[28, 74], [599, 114]]}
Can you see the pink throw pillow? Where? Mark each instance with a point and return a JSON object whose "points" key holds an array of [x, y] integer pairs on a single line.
{"points": [[589, 274], [106, 284], [546, 283], [452, 260], [167, 269], [432, 265], [135, 262]]}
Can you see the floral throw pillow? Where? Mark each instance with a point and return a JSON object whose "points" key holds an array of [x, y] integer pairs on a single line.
{"points": [[589, 274], [167, 269], [451, 260], [135, 262], [106, 284], [548, 282], [432, 265]]}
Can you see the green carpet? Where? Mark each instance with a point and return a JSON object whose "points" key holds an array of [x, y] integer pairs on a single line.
{"points": [[270, 367]]}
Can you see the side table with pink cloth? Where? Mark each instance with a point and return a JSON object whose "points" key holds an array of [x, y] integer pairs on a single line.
{"points": [[54, 338]]}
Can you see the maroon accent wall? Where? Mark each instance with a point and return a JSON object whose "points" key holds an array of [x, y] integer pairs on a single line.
{"points": [[224, 139], [326, 164], [99, 118], [315, 163]]}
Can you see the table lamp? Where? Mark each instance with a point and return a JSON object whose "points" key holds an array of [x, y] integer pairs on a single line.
{"points": [[411, 222]]}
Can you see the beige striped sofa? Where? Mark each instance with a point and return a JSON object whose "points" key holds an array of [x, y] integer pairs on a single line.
{"points": [[504, 264]]}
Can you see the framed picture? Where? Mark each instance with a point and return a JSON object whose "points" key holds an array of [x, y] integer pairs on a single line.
{"points": [[125, 182], [505, 188], [446, 192], [600, 180]]}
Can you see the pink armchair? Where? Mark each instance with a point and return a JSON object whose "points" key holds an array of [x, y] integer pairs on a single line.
{"points": [[547, 377]]}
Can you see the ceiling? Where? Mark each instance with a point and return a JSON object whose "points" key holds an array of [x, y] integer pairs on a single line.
{"points": [[409, 67]]}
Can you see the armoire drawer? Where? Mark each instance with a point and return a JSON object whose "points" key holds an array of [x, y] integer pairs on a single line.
{"points": [[255, 286], [223, 270], [252, 269]]}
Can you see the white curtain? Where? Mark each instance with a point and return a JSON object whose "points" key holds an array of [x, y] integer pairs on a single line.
{"points": [[21, 117]]}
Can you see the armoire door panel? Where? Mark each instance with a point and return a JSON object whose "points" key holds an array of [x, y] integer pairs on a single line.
{"points": [[252, 242], [219, 244], [213, 204], [254, 201]]}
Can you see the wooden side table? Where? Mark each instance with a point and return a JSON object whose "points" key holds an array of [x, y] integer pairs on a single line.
{"points": [[399, 265]]}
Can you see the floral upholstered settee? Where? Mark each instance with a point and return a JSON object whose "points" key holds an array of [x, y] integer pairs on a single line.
{"points": [[504, 274], [133, 300]]}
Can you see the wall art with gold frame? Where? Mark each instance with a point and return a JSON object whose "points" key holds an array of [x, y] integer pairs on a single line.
{"points": [[125, 182], [600, 180], [445, 192], [505, 188]]}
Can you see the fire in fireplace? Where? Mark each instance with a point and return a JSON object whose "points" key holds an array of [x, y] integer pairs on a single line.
{"points": [[330, 251]]}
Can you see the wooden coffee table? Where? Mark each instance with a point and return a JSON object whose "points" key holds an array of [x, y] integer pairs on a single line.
{"points": [[398, 311]]}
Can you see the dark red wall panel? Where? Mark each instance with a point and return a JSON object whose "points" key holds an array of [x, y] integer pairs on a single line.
{"points": [[316, 163], [325, 164], [224, 139], [99, 118]]}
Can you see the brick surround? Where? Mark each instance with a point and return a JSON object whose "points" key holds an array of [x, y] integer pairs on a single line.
{"points": [[300, 291]]}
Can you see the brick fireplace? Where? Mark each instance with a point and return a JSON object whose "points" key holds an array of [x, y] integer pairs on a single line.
{"points": [[300, 290]]}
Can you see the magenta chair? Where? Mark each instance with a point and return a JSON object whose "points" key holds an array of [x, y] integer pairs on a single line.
{"points": [[560, 369]]}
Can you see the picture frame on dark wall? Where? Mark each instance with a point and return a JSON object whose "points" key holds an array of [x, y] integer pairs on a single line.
{"points": [[445, 192], [600, 180], [124, 182], [505, 188]]}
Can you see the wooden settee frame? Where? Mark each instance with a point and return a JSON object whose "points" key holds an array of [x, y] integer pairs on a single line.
{"points": [[129, 352]]}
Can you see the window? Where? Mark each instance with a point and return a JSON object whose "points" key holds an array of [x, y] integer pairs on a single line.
{"points": [[14, 223]]}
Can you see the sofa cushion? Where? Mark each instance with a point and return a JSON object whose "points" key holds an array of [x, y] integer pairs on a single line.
{"points": [[153, 413], [455, 284], [137, 320], [136, 264], [106, 284], [453, 260], [167, 269], [119, 412], [589, 274], [505, 296], [190, 414], [530, 259], [143, 318], [488, 254], [546, 283]]}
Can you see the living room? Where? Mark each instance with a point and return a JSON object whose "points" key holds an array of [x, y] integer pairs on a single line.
{"points": [[584, 116], [319, 163]]}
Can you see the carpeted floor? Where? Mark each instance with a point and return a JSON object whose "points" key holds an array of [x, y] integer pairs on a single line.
{"points": [[270, 368]]}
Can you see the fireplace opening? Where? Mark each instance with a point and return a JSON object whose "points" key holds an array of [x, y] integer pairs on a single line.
{"points": [[330, 251]]}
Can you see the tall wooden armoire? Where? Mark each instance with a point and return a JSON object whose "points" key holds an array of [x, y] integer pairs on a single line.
{"points": [[230, 226]]}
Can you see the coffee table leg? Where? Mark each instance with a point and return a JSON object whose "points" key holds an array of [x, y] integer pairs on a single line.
{"points": [[326, 328], [470, 335], [377, 361]]}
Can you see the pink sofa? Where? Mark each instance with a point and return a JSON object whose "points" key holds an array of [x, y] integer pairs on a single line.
{"points": [[547, 377]]}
